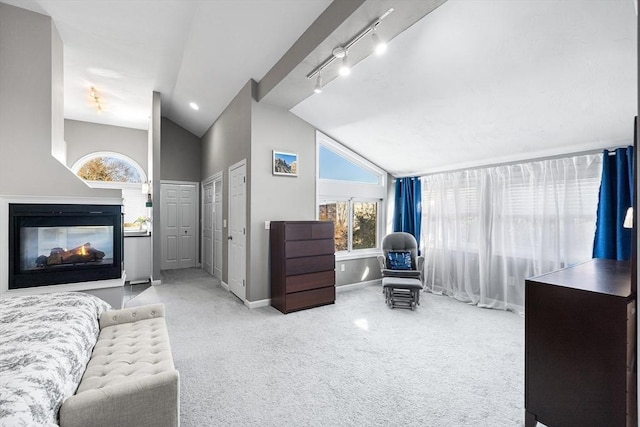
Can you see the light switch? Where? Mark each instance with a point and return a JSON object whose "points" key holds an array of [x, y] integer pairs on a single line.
{"points": [[267, 225], [224, 223]]}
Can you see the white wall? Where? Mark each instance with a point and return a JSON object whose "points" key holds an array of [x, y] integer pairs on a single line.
{"points": [[154, 146]]}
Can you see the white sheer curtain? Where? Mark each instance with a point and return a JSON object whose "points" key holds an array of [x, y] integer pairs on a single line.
{"points": [[486, 230]]}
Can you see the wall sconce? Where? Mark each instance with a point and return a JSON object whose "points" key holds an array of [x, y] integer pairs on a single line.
{"points": [[146, 189]]}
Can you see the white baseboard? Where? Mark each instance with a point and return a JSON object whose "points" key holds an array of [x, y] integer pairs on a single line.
{"points": [[224, 285], [156, 282], [352, 286], [259, 303]]}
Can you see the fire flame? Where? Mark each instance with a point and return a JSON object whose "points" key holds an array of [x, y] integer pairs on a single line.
{"points": [[82, 250]]}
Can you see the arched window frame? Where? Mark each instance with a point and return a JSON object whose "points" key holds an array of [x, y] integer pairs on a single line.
{"points": [[97, 154], [133, 198]]}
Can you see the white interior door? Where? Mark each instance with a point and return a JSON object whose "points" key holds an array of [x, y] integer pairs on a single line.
{"points": [[188, 207], [178, 233], [217, 228], [237, 229], [169, 228], [207, 227]]}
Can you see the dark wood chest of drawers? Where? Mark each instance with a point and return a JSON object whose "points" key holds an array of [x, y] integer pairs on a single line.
{"points": [[302, 264], [580, 346]]}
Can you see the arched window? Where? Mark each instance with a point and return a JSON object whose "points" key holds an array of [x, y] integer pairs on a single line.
{"points": [[109, 167], [116, 171]]}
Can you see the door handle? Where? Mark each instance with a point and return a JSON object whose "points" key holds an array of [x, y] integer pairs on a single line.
{"points": [[230, 238]]}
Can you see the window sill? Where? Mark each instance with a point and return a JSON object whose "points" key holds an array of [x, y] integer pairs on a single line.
{"points": [[345, 256]]}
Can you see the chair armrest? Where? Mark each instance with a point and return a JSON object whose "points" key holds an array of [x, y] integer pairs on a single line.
{"points": [[381, 262], [419, 263], [130, 315]]}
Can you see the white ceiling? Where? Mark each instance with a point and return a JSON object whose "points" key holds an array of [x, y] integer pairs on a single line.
{"points": [[484, 82], [189, 50], [474, 82]]}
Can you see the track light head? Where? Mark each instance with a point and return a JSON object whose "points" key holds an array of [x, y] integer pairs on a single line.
{"points": [[318, 86], [344, 70], [379, 47]]}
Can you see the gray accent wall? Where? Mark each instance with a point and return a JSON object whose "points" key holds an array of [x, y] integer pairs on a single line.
{"points": [[31, 110], [225, 143], [154, 153], [276, 197], [85, 138], [181, 152], [357, 270]]}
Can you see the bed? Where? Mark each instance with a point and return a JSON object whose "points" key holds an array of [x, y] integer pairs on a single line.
{"points": [[45, 344]]}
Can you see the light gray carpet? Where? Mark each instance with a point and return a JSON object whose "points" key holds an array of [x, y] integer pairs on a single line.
{"points": [[354, 363]]}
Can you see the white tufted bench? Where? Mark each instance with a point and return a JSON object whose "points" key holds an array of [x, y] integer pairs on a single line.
{"points": [[130, 379]]}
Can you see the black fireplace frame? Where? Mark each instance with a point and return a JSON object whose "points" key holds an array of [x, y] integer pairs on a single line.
{"points": [[63, 215]]}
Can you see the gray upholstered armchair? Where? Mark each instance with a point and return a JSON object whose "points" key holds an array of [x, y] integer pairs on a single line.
{"points": [[399, 243]]}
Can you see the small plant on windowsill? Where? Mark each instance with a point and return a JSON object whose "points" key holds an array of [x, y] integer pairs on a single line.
{"points": [[143, 222]]}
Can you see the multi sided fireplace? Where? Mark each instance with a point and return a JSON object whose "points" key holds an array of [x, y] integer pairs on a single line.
{"points": [[54, 244]]}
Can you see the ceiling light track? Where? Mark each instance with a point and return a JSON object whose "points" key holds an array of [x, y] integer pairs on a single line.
{"points": [[340, 52]]}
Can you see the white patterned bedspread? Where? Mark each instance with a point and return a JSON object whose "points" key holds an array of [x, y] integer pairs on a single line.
{"points": [[45, 344]]}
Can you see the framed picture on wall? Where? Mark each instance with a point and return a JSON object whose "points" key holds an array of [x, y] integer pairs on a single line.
{"points": [[285, 163]]}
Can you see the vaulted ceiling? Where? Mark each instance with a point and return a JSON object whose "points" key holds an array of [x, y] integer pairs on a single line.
{"points": [[473, 82]]}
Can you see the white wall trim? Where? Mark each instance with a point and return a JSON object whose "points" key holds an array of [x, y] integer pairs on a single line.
{"points": [[352, 286], [65, 287], [212, 178], [257, 304], [72, 200], [224, 285]]}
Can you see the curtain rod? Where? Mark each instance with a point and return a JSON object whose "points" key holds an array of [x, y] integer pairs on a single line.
{"points": [[516, 162]]}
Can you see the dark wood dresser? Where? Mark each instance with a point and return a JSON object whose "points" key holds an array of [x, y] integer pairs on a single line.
{"points": [[580, 347], [302, 264]]}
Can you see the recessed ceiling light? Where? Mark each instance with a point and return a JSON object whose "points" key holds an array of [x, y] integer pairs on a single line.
{"points": [[194, 106]]}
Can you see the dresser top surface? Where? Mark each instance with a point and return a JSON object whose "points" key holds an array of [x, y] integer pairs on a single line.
{"points": [[602, 276]]}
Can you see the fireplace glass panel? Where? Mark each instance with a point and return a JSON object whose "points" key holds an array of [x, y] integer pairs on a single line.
{"points": [[54, 244], [65, 246]]}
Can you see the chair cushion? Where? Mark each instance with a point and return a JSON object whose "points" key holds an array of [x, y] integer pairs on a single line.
{"points": [[399, 260], [401, 273]]}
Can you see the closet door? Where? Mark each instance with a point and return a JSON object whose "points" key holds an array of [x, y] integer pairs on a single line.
{"points": [[178, 217]]}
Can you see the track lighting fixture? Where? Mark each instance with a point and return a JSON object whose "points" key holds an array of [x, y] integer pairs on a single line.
{"points": [[318, 86], [340, 52]]}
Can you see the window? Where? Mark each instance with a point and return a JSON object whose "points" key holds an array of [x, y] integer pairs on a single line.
{"points": [[116, 171], [351, 193], [111, 169], [335, 167], [338, 212], [486, 230]]}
